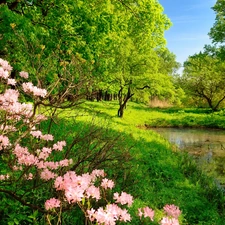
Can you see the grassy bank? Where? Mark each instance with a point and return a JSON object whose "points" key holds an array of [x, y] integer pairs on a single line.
{"points": [[142, 163], [142, 115]]}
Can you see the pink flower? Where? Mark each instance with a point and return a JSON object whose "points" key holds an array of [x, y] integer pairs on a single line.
{"points": [[44, 154], [169, 221], [123, 199], [24, 74], [93, 192], [124, 215], [29, 176], [30, 88], [172, 210], [91, 214], [4, 177], [107, 183], [140, 213], [9, 98], [105, 216], [148, 213], [59, 145], [16, 168], [40, 165], [109, 215], [47, 137], [27, 159], [7, 128], [36, 133], [59, 183], [4, 73], [98, 173], [74, 194], [51, 165], [52, 203], [5, 65], [39, 92], [11, 82], [47, 174], [64, 162], [4, 141], [26, 109], [39, 118]]}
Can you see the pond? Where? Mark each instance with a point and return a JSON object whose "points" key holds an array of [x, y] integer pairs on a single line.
{"points": [[207, 146]]}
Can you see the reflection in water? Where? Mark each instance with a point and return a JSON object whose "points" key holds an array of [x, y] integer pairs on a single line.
{"points": [[206, 145]]}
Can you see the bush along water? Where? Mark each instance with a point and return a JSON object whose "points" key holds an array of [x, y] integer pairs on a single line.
{"points": [[36, 176]]}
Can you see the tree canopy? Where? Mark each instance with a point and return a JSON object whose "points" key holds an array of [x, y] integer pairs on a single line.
{"points": [[203, 78], [217, 32], [116, 46]]}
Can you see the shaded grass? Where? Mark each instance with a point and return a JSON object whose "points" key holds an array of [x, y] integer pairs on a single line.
{"points": [[155, 174]]}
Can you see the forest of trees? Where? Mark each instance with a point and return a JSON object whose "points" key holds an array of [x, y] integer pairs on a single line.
{"points": [[108, 50], [86, 49]]}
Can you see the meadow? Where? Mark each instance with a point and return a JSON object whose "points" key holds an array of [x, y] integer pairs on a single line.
{"points": [[140, 161]]}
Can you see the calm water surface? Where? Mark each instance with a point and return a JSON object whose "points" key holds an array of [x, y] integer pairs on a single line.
{"points": [[206, 145]]}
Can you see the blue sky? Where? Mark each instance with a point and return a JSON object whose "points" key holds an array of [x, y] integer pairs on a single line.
{"points": [[192, 20]]}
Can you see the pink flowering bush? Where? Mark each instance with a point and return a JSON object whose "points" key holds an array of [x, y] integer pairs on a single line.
{"points": [[31, 174], [171, 215]]}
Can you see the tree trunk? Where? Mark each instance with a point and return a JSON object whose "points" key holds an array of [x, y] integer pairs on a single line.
{"points": [[99, 95], [120, 111], [123, 102]]}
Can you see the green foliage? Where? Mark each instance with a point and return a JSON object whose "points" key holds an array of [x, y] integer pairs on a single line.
{"points": [[203, 79], [106, 45], [217, 31], [14, 213]]}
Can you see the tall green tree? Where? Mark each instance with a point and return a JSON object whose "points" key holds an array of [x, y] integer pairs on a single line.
{"points": [[217, 32], [136, 58], [203, 78]]}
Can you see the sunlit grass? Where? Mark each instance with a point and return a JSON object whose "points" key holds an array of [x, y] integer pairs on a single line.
{"points": [[162, 175]]}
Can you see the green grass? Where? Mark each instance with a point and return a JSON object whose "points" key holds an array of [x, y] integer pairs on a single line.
{"points": [[155, 173], [141, 115]]}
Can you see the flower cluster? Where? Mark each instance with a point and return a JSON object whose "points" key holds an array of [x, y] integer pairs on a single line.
{"points": [[24, 74], [38, 134], [172, 210], [4, 141], [30, 88], [82, 188], [146, 212], [109, 215], [52, 203], [77, 187], [24, 157], [172, 213], [4, 177], [15, 112], [123, 199]]}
